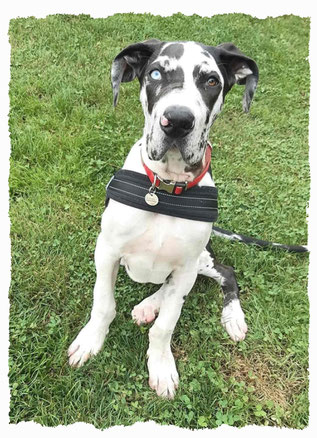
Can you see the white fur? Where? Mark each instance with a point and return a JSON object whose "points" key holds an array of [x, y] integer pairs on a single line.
{"points": [[206, 267], [233, 321]]}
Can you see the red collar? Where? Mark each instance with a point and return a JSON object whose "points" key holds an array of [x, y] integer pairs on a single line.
{"points": [[176, 187]]}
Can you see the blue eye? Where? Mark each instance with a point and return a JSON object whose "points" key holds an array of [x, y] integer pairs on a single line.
{"points": [[156, 75]]}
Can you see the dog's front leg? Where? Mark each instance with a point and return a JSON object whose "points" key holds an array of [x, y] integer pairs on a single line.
{"points": [[91, 338], [163, 376]]}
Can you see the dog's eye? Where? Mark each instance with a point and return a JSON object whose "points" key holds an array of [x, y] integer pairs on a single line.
{"points": [[156, 75], [212, 81]]}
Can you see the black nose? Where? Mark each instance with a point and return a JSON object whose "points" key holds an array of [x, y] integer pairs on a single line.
{"points": [[177, 121]]}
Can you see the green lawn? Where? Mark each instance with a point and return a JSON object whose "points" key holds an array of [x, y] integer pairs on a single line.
{"points": [[67, 141]]}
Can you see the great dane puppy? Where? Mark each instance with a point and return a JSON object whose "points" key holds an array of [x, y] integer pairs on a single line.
{"points": [[183, 87]]}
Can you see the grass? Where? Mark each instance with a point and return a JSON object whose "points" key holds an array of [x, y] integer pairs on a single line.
{"points": [[66, 143]]}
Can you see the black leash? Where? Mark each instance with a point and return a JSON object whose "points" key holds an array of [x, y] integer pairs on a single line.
{"points": [[264, 244]]}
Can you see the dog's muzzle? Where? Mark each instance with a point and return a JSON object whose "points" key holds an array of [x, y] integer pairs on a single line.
{"points": [[177, 121]]}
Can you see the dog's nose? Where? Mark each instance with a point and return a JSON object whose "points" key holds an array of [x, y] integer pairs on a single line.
{"points": [[177, 121]]}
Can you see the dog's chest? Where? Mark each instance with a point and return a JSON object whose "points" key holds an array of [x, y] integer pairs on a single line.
{"points": [[152, 255], [154, 245], [160, 248]]}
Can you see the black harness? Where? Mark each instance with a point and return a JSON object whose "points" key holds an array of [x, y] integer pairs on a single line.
{"points": [[198, 203]]}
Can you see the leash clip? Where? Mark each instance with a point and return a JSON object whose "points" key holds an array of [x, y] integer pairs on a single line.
{"points": [[172, 186], [166, 185]]}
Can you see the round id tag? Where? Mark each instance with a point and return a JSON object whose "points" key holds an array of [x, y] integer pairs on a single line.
{"points": [[151, 199]]}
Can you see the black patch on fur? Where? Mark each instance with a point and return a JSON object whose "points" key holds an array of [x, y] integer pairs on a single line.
{"points": [[189, 156], [174, 50], [170, 80], [204, 52], [208, 93], [207, 118], [230, 287], [210, 250], [193, 167], [202, 144], [154, 155], [168, 278]]}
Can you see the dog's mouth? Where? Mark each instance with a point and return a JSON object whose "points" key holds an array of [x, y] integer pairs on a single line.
{"points": [[168, 148], [177, 151]]}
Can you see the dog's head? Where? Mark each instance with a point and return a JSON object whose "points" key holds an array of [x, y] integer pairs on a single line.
{"points": [[183, 87]]}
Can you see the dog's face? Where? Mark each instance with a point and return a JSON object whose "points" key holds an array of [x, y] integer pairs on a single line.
{"points": [[183, 86]]}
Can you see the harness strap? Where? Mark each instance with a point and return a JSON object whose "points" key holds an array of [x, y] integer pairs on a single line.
{"points": [[130, 188]]}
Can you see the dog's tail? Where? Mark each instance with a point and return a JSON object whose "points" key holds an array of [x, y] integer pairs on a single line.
{"points": [[258, 242]]}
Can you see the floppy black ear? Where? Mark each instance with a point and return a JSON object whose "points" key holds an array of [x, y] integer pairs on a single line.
{"points": [[239, 69], [129, 63]]}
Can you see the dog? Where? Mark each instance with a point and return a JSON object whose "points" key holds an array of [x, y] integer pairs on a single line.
{"points": [[182, 90]]}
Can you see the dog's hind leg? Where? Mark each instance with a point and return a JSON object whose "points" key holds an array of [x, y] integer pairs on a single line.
{"points": [[146, 311], [232, 318], [91, 338]]}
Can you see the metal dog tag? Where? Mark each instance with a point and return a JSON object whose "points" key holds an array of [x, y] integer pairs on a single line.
{"points": [[151, 199]]}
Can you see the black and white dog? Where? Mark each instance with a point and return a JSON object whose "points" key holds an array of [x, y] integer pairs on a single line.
{"points": [[183, 87]]}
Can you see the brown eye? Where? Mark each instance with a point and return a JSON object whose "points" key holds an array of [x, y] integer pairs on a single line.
{"points": [[212, 81]]}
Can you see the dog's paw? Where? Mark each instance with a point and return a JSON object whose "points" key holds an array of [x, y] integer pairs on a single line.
{"points": [[232, 320], [163, 375], [145, 312], [88, 343]]}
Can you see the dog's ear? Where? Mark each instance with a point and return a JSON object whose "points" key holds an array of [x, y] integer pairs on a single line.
{"points": [[239, 69], [130, 63]]}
